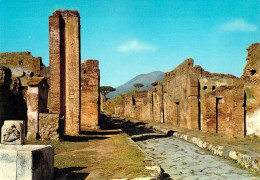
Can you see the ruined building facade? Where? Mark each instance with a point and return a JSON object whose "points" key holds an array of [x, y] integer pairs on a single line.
{"points": [[193, 98], [251, 79], [16, 70], [90, 95], [52, 99]]}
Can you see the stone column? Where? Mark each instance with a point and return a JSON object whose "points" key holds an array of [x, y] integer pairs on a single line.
{"points": [[90, 95], [64, 96], [33, 111]]}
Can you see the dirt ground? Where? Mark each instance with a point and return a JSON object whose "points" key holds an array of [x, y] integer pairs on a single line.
{"points": [[104, 154]]}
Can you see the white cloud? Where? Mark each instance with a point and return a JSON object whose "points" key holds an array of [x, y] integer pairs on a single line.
{"points": [[238, 25], [135, 45]]}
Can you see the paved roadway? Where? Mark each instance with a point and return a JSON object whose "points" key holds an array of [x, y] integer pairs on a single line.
{"points": [[182, 160]]}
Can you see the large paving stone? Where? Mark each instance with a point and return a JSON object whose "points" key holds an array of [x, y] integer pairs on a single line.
{"points": [[183, 160]]}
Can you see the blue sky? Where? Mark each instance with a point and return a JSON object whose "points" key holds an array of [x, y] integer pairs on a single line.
{"points": [[131, 37]]}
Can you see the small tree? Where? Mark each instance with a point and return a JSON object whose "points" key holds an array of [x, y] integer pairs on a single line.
{"points": [[138, 86], [106, 89]]}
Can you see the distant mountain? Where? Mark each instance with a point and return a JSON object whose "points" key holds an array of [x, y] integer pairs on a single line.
{"points": [[145, 79]]}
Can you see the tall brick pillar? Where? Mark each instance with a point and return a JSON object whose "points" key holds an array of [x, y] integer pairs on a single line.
{"points": [[64, 49], [90, 95]]}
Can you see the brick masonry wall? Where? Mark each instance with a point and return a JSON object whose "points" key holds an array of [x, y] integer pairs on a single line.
{"points": [[175, 94], [225, 111], [137, 105], [21, 62], [197, 99], [54, 102], [157, 102], [90, 95], [64, 96]]}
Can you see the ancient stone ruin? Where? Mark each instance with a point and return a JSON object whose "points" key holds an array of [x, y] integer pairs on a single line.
{"points": [[13, 132], [63, 98], [20, 161], [64, 45], [193, 98], [90, 95]]}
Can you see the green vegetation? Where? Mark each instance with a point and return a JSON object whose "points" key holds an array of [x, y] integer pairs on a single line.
{"points": [[138, 86], [110, 104], [106, 89]]}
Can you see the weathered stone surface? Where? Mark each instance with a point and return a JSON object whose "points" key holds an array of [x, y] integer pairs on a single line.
{"points": [[37, 97], [21, 63], [251, 78], [13, 132], [182, 160], [50, 126], [225, 112], [157, 102], [90, 95], [193, 98], [137, 105], [13, 92], [27, 162], [64, 44]]}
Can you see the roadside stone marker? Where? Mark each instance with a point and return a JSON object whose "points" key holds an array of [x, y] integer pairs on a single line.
{"points": [[23, 162], [13, 132]]}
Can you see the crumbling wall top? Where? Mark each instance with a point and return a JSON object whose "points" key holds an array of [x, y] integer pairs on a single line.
{"points": [[65, 13], [90, 64], [251, 72], [21, 62], [185, 64]]}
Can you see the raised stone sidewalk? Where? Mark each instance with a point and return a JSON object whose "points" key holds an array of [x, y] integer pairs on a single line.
{"points": [[248, 161]]}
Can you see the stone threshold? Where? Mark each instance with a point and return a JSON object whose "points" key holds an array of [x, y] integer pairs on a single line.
{"points": [[249, 162]]}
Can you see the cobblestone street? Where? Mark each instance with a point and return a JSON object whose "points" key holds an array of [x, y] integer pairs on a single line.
{"points": [[182, 160]]}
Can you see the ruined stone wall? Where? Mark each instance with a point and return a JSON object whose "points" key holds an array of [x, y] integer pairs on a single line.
{"points": [[137, 105], [212, 102], [225, 111], [102, 101], [37, 103], [157, 102], [64, 46], [12, 97], [184, 90], [21, 63], [4, 92], [175, 94], [90, 95], [251, 79], [210, 82], [23, 66], [193, 107]]}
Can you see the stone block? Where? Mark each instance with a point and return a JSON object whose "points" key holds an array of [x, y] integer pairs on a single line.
{"points": [[13, 132], [49, 126], [27, 162]]}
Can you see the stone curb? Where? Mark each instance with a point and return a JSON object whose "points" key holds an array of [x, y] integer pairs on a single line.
{"points": [[157, 173], [157, 170], [245, 160]]}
